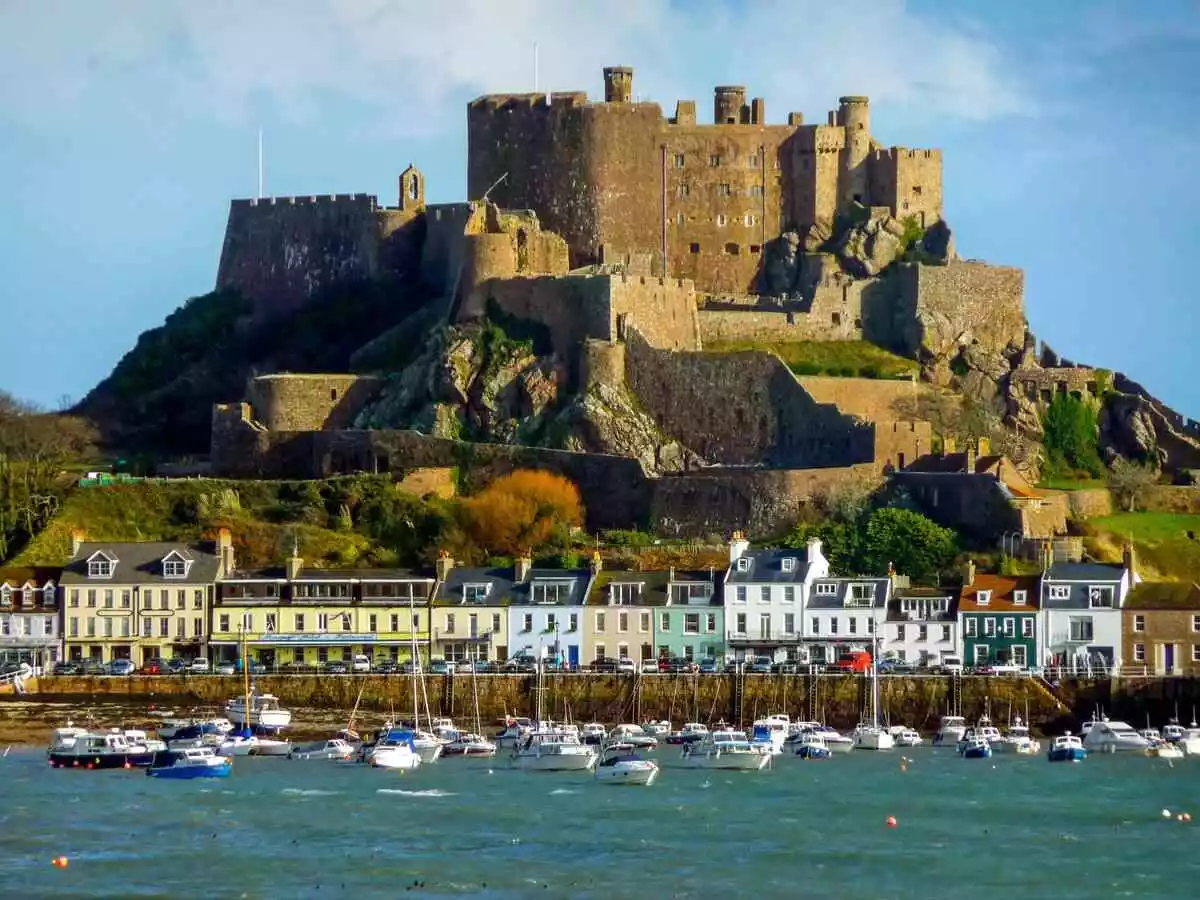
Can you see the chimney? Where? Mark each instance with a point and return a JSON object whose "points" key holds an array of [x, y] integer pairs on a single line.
{"points": [[618, 84], [814, 551], [293, 564], [970, 464], [738, 545], [985, 447], [225, 560], [1129, 557], [758, 111], [521, 569], [892, 573], [596, 563], [445, 562], [77, 539], [969, 573], [949, 446]]}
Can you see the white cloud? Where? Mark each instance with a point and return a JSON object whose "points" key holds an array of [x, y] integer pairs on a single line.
{"points": [[410, 64]]}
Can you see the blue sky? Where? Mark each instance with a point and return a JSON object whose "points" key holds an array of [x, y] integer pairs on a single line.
{"points": [[1069, 131]]}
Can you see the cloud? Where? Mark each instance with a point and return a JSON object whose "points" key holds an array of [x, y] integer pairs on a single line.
{"points": [[411, 64]]}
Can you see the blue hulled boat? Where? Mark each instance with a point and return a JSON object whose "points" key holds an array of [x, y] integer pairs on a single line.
{"points": [[976, 747], [195, 762], [1067, 748]]}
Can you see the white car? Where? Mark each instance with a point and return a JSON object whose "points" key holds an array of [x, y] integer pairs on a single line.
{"points": [[226, 668], [361, 663], [627, 665], [649, 666], [200, 665]]}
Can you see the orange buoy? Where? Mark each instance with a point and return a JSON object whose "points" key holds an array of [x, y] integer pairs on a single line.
{"points": [[60, 862], [891, 822], [127, 765]]}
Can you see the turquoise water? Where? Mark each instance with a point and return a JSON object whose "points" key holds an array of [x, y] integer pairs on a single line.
{"points": [[475, 828]]}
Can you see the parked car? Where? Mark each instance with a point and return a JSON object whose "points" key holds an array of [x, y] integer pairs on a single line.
{"points": [[894, 665], [121, 667], [150, 667], [734, 665], [360, 663], [649, 667], [856, 661], [442, 667], [176, 666], [409, 668], [294, 668], [67, 668], [604, 664], [336, 667], [481, 667], [951, 665], [627, 666], [386, 666], [786, 667], [226, 668], [760, 665], [94, 667], [709, 666], [200, 666], [522, 662], [1001, 668]]}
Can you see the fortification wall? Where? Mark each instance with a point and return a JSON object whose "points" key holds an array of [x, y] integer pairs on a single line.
{"points": [[816, 153], [743, 408], [280, 251], [1040, 385], [1045, 517], [309, 402], [942, 309], [444, 249], [1089, 504], [908, 182], [663, 309], [601, 362], [572, 307], [877, 399]]}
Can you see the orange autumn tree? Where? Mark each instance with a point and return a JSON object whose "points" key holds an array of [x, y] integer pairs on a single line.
{"points": [[523, 511]]}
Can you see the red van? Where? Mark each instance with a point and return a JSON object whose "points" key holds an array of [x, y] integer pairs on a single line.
{"points": [[855, 661]]}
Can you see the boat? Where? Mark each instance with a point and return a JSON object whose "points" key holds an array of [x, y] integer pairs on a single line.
{"points": [[333, 748], [950, 730], [264, 710], [903, 736], [63, 739], [551, 748], [1173, 731], [515, 728], [1066, 748], [813, 746], [1166, 750], [444, 729], [975, 747], [626, 768], [835, 740], [635, 735], [1108, 736], [101, 750], [1017, 740], [427, 746], [986, 730], [659, 729], [470, 743], [725, 749], [138, 737], [871, 735], [195, 762], [394, 750], [593, 734], [771, 732], [247, 743], [1190, 740]]}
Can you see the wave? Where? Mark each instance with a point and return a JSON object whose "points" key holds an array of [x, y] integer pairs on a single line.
{"points": [[562, 791], [309, 792], [431, 792]]}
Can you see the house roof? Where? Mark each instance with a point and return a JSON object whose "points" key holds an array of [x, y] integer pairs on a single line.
{"points": [[952, 464], [19, 576], [766, 567], [140, 562], [1164, 595], [1079, 579], [843, 585], [450, 591], [1091, 572], [1002, 588], [654, 586], [578, 578], [310, 573], [895, 611]]}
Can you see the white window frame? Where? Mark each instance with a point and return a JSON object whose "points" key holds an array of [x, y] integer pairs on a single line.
{"points": [[1139, 623], [1139, 653], [1027, 627], [624, 593], [788, 564], [983, 598], [971, 627], [1097, 592], [476, 591], [1059, 591], [1020, 598], [687, 623], [825, 589]]}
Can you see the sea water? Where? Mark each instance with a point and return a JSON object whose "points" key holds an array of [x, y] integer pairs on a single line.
{"points": [[278, 828]]}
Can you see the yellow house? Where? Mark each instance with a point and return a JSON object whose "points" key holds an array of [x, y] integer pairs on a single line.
{"points": [[140, 600], [296, 615], [469, 611]]}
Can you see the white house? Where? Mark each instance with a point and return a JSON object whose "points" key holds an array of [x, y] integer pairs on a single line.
{"points": [[29, 616], [546, 616], [765, 592], [842, 614], [921, 626], [1080, 614]]}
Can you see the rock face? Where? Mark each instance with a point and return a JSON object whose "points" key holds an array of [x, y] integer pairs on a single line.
{"points": [[783, 264], [938, 242], [866, 249], [1127, 429]]}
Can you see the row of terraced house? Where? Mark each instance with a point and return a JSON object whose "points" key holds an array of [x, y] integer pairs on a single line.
{"points": [[152, 600]]}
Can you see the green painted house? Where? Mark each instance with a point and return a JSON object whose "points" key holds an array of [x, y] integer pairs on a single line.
{"points": [[692, 623], [998, 619]]}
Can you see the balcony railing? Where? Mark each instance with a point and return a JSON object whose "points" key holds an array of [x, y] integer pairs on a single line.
{"points": [[778, 637], [478, 637]]}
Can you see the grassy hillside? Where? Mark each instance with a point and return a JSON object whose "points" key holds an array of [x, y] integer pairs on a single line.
{"points": [[849, 359], [1167, 544]]}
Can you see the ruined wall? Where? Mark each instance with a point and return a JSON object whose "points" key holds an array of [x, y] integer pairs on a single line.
{"points": [[942, 309], [280, 251], [1090, 504], [309, 402], [1044, 517], [1040, 385], [742, 408]]}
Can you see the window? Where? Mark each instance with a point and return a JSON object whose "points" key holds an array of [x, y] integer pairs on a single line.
{"points": [[1139, 623], [475, 593], [741, 623], [552, 591], [644, 622], [622, 651], [710, 624], [573, 622], [180, 628], [750, 221], [600, 648], [126, 599], [732, 249], [1195, 652], [946, 633], [1100, 597], [743, 564], [248, 621], [181, 599], [1195, 623], [622, 622], [450, 623], [624, 594], [164, 599], [833, 625], [852, 628], [75, 599], [1081, 628], [345, 617], [372, 623], [788, 564], [989, 627], [679, 160], [764, 594], [1060, 591], [198, 599], [682, 190], [789, 594], [599, 622], [789, 623], [899, 632], [75, 626], [495, 623], [741, 598], [723, 190], [527, 622], [694, 248], [174, 568], [861, 595], [164, 627], [92, 598], [756, 190], [197, 627], [91, 627], [1009, 626], [826, 589], [222, 622], [983, 598], [108, 599], [816, 625], [714, 160], [395, 622], [1027, 627], [664, 622], [680, 219], [1139, 653], [922, 633], [870, 626], [722, 220], [300, 622], [972, 627], [101, 567], [1019, 597], [691, 623]]}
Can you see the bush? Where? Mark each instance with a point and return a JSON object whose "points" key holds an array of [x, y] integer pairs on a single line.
{"points": [[1070, 437], [522, 512]]}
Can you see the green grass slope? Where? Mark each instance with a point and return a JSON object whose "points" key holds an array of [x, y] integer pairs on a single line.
{"points": [[849, 359]]}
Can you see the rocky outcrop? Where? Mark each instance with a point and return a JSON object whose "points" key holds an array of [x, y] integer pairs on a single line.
{"points": [[1127, 429], [867, 248], [783, 264], [937, 244]]}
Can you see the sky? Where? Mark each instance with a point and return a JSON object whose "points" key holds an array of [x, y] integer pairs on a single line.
{"points": [[1068, 129]]}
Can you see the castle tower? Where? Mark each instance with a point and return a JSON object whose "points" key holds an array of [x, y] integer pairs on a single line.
{"points": [[618, 84], [854, 115], [729, 105], [412, 189]]}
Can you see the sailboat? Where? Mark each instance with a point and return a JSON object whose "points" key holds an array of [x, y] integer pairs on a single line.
{"points": [[423, 743], [473, 743], [872, 736], [245, 742], [549, 749]]}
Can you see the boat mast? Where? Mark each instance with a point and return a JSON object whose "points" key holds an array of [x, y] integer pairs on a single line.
{"points": [[246, 680], [475, 696], [875, 681], [416, 660]]}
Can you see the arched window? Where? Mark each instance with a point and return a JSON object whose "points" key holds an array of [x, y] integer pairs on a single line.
{"points": [[413, 187]]}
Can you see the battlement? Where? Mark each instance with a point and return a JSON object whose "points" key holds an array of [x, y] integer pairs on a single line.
{"points": [[543, 101], [891, 154], [366, 201]]}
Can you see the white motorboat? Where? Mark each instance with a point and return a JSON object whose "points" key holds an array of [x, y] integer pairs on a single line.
{"points": [[334, 748], [1066, 748], [427, 746], [950, 730], [635, 735], [771, 732], [1017, 740], [199, 762], [468, 744], [553, 751], [725, 749], [64, 739], [1166, 750], [515, 728], [834, 739], [659, 729], [986, 730], [868, 736], [243, 744], [593, 733], [101, 750], [1108, 736], [630, 769], [1173, 731], [1190, 740], [444, 730], [394, 750], [903, 736], [264, 710]]}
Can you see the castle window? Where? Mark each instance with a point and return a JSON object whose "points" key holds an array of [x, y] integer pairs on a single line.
{"points": [[755, 248], [750, 221], [681, 190], [723, 190], [333, 393], [916, 190], [858, 323], [722, 220], [732, 249], [714, 160], [695, 248], [679, 160], [413, 188], [756, 190], [837, 318], [679, 219], [752, 161]]}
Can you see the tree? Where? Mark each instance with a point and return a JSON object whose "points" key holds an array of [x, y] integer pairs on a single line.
{"points": [[916, 545], [1070, 436], [525, 511], [1128, 481], [841, 543]]}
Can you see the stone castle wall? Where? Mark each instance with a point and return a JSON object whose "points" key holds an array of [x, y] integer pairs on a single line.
{"points": [[304, 402]]}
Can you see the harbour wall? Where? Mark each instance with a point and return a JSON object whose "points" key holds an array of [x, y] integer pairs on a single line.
{"points": [[837, 699]]}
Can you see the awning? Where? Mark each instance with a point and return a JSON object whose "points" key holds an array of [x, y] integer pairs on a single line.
{"points": [[318, 640]]}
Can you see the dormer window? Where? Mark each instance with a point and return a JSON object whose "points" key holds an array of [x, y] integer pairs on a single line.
{"points": [[5, 596], [861, 595], [476, 593], [694, 592], [624, 594], [551, 591], [826, 589], [743, 565], [983, 598], [1100, 597], [174, 567], [100, 565], [1019, 598], [789, 564], [1060, 591]]}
